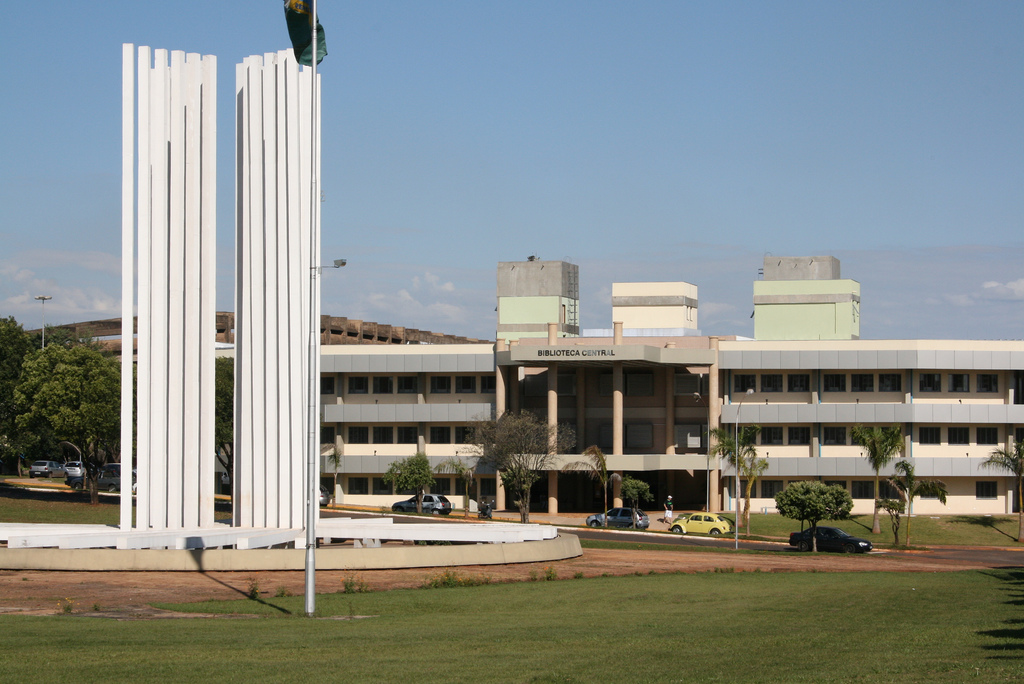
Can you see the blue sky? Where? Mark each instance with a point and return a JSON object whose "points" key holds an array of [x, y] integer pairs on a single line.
{"points": [[642, 141]]}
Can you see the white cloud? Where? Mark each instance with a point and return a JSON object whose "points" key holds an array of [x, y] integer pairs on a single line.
{"points": [[1011, 290]]}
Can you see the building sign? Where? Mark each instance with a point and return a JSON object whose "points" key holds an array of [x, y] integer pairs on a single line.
{"points": [[608, 353]]}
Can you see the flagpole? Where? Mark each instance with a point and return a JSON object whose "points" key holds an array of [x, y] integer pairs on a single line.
{"points": [[314, 337]]}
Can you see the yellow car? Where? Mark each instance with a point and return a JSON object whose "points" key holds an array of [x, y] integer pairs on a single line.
{"points": [[701, 523]]}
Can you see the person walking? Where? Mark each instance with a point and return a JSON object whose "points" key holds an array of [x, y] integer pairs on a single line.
{"points": [[668, 510]]}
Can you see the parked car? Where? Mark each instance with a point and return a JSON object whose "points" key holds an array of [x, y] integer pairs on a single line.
{"points": [[76, 482], [74, 469], [109, 478], [620, 517], [46, 469], [701, 523], [438, 504], [325, 495], [830, 539]]}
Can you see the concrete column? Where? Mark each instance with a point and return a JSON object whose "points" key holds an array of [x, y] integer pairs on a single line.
{"points": [[617, 427], [499, 492], [421, 388], [581, 409], [670, 411], [617, 491], [421, 437], [617, 334], [499, 382], [552, 407], [553, 492], [716, 491], [714, 422], [552, 333]]}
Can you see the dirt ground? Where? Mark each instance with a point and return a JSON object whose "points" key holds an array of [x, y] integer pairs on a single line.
{"points": [[128, 595]]}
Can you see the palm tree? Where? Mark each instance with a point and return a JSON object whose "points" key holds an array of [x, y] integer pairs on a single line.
{"points": [[1013, 461], [909, 487], [596, 467], [464, 472], [745, 462], [882, 445]]}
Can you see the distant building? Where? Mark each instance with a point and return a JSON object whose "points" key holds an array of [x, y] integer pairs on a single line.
{"points": [[803, 298], [534, 293]]}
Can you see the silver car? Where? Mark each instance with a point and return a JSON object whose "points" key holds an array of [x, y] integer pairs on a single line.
{"points": [[46, 469], [74, 469], [620, 517]]}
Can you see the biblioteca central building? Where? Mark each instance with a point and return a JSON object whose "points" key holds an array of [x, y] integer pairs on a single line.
{"points": [[647, 389]]}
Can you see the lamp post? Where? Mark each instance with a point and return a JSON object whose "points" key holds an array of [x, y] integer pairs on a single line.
{"points": [[42, 300], [736, 446], [707, 457]]}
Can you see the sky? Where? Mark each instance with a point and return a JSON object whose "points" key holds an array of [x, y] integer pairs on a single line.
{"points": [[643, 141]]}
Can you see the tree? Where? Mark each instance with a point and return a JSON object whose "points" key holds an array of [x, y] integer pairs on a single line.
{"points": [[1011, 460], [881, 445], [412, 473], [76, 393], [812, 502], [595, 465], [635, 491], [14, 346], [520, 446], [224, 408], [894, 507], [744, 460], [457, 467], [910, 487]]}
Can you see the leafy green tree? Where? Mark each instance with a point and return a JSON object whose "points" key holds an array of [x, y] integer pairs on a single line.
{"points": [[742, 458], [634, 491], [462, 470], [895, 508], [1011, 460], [910, 487], [224, 410], [412, 473], [812, 502], [14, 346], [881, 445], [595, 465], [76, 393], [520, 446]]}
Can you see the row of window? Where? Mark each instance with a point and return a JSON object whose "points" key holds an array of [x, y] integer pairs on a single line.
{"points": [[838, 434], [635, 384], [410, 384], [865, 489], [441, 485], [864, 382], [402, 434]]}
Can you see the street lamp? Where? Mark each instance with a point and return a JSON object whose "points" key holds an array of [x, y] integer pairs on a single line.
{"points": [[736, 447], [707, 457], [42, 299]]}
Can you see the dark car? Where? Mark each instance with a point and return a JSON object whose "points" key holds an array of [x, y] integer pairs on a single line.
{"points": [[620, 517], [76, 482], [109, 478], [438, 504], [830, 539]]}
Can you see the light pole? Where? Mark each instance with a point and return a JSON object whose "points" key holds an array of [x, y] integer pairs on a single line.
{"points": [[707, 458], [736, 447], [42, 300]]}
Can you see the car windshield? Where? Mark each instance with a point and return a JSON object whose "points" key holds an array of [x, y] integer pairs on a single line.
{"points": [[442, 498], [841, 533]]}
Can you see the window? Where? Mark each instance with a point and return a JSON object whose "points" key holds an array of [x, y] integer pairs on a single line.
{"points": [[753, 489], [605, 384], [769, 488], [566, 385], [834, 435], [959, 382], [799, 435], [639, 435], [861, 489], [460, 486], [834, 382], [465, 384], [862, 382], [463, 434], [836, 483], [890, 382], [440, 434], [771, 382], [408, 384], [407, 434], [380, 486], [326, 384], [358, 485], [799, 382], [887, 491], [358, 434], [929, 435], [488, 384], [743, 382], [327, 434], [440, 384], [686, 384], [382, 384], [1018, 434], [985, 489], [442, 485], [771, 435], [488, 486], [358, 384], [988, 435], [988, 382], [639, 384], [383, 434], [930, 382], [959, 435]]}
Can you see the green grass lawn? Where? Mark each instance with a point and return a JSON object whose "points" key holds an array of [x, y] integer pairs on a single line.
{"points": [[712, 627]]}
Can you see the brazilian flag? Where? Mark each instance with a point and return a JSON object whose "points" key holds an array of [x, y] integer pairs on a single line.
{"points": [[300, 30]]}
